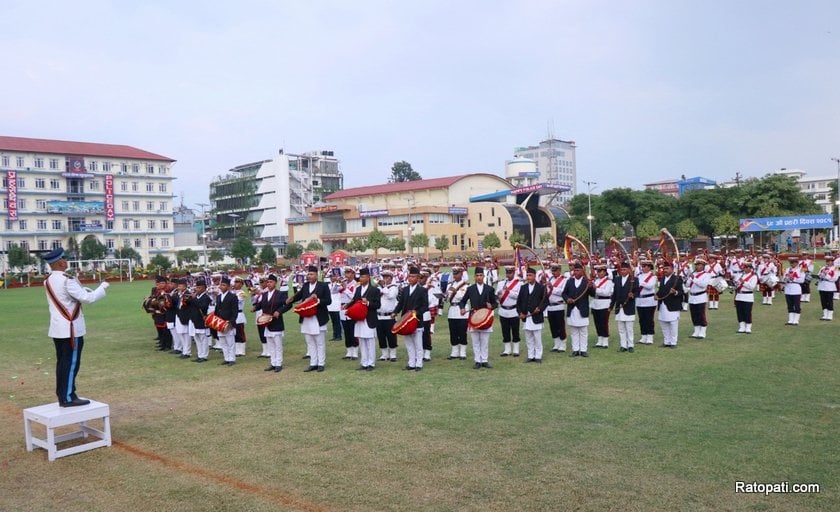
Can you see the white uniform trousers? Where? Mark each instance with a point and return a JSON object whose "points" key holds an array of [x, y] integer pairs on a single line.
{"points": [[274, 346], [625, 332], [533, 341], [580, 338], [176, 341], [367, 347], [316, 346], [227, 340], [669, 331], [202, 345], [481, 345], [181, 337], [414, 348]]}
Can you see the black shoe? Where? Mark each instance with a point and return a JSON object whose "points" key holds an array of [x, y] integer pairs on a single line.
{"points": [[622, 349], [354, 358], [463, 358], [173, 351], [486, 365], [409, 368], [427, 359], [311, 369], [529, 360], [264, 357], [361, 368], [370, 368], [477, 366], [75, 402], [223, 363], [345, 357], [231, 363], [672, 346], [504, 354], [630, 349], [418, 369], [185, 356], [516, 355], [450, 358], [320, 368], [393, 360], [555, 350], [305, 357], [270, 369], [278, 369], [575, 353], [561, 350], [584, 354]]}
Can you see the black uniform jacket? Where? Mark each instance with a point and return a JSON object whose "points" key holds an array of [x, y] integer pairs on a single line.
{"points": [[276, 303], [479, 300], [621, 295], [417, 301], [198, 309], [527, 301], [228, 307], [670, 292], [579, 295], [373, 295]]}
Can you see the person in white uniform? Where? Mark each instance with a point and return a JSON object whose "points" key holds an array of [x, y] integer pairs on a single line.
{"points": [[745, 285]]}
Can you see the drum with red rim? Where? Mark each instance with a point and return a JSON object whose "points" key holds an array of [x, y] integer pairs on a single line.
{"points": [[308, 307], [357, 311], [481, 319], [407, 324], [216, 323]]}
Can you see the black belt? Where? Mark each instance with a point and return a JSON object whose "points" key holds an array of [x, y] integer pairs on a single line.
{"points": [[603, 296], [508, 307], [694, 294], [646, 296], [240, 311], [555, 303], [385, 313]]}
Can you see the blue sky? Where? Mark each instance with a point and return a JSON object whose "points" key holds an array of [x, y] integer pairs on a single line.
{"points": [[648, 90]]}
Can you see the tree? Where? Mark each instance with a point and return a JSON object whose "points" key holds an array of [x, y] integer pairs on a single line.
{"points": [[647, 229], [612, 230], [402, 171], [92, 249], [294, 250], [161, 261], [515, 238], [19, 257], [396, 244], [377, 240], [686, 230], [418, 241], [491, 241], [546, 240], [357, 245], [73, 248], [726, 225], [578, 230], [314, 245], [186, 256], [442, 244], [268, 256], [215, 255], [243, 249], [128, 253]]}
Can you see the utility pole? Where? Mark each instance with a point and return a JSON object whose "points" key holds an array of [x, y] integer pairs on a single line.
{"points": [[204, 229]]}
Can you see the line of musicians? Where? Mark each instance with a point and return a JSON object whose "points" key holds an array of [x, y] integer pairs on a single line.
{"points": [[365, 314]]}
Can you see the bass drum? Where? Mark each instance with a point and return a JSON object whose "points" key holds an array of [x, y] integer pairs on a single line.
{"points": [[480, 319], [407, 324]]}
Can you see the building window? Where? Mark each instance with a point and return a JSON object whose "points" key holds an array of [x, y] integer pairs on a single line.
{"points": [[123, 186], [134, 186], [125, 168], [150, 187], [150, 169], [5, 161], [20, 162], [109, 224], [21, 204], [152, 242], [150, 224], [161, 187], [163, 206], [164, 224], [24, 244], [161, 169], [42, 245], [125, 224], [10, 225], [55, 184], [56, 224], [42, 224], [135, 168], [164, 242], [55, 244], [137, 224], [137, 243], [135, 206], [125, 206], [39, 162], [22, 225], [150, 206], [94, 185], [109, 243], [106, 166], [91, 165], [21, 183], [40, 183], [53, 163]]}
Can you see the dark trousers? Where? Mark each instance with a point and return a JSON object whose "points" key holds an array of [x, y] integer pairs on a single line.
{"points": [[239, 337], [387, 339], [68, 358], [261, 332], [793, 303], [806, 287], [743, 310], [646, 319], [427, 335], [602, 322], [510, 329], [557, 324], [335, 318], [826, 300], [165, 337], [698, 314], [349, 328], [458, 331]]}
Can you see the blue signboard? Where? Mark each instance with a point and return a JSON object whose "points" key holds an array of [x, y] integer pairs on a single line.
{"points": [[785, 223], [76, 207]]}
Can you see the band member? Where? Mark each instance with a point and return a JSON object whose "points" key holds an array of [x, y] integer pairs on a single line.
{"points": [[273, 302], [806, 266], [646, 301], [239, 336], [480, 296], [65, 297], [624, 304], [213, 289], [227, 308], [530, 305], [827, 287], [159, 305], [576, 295], [745, 285], [170, 314], [198, 307], [601, 291], [256, 298], [684, 271], [456, 319], [429, 316], [387, 302], [669, 297], [365, 330], [335, 307], [714, 269], [698, 285], [348, 326], [793, 280], [765, 269], [314, 328], [413, 297], [556, 309], [507, 290], [181, 302]]}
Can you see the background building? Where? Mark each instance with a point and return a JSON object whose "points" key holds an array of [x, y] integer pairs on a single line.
{"points": [[56, 190], [679, 187], [556, 164], [257, 199], [818, 187]]}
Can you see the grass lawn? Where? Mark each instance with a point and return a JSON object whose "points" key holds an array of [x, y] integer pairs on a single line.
{"points": [[655, 430]]}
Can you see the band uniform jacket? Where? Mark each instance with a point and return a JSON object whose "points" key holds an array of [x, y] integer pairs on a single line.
{"points": [[527, 301], [322, 291], [672, 299], [373, 296], [479, 300], [228, 307], [170, 310], [417, 301], [621, 294], [277, 303], [69, 293], [182, 307], [580, 296], [198, 310]]}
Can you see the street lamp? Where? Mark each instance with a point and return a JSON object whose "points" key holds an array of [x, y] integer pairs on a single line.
{"points": [[234, 217], [589, 185], [837, 235], [204, 229]]}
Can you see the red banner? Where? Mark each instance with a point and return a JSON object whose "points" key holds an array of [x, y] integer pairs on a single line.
{"points": [[11, 194], [109, 197]]}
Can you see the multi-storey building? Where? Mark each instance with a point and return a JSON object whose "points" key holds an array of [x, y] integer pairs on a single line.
{"points": [[556, 164], [817, 187], [257, 199], [54, 191], [679, 187]]}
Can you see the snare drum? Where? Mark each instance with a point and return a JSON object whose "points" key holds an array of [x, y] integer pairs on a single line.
{"points": [[480, 319], [216, 323], [264, 319], [770, 280], [719, 284], [407, 324], [357, 311], [308, 307]]}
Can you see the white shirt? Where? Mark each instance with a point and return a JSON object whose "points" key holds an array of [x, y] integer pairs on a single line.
{"points": [[69, 292]]}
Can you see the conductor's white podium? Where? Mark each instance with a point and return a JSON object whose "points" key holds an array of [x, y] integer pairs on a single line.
{"points": [[52, 416]]}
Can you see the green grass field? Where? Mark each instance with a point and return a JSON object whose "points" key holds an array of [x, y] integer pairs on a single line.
{"points": [[654, 430]]}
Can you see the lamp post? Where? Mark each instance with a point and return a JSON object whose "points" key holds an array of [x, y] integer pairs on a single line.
{"points": [[589, 185], [204, 229], [837, 234], [234, 216]]}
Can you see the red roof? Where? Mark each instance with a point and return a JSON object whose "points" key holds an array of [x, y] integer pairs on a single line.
{"points": [[403, 186], [64, 147]]}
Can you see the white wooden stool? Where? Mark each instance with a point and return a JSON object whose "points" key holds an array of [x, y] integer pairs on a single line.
{"points": [[53, 416]]}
